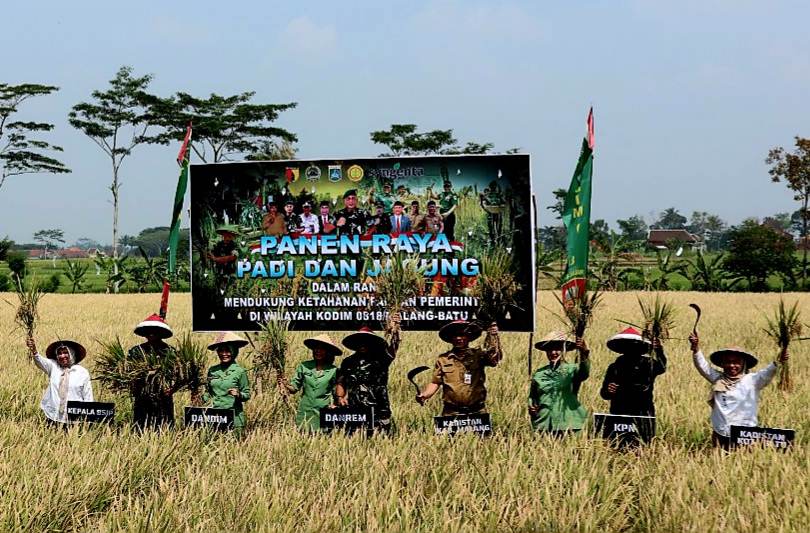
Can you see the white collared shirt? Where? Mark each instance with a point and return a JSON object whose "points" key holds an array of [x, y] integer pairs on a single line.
{"points": [[79, 386], [738, 406], [309, 223]]}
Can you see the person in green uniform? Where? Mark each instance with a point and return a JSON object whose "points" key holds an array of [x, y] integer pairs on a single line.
{"points": [[448, 201], [227, 384], [553, 404], [386, 197], [316, 380], [460, 373]]}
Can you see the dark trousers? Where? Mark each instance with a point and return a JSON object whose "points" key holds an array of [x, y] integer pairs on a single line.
{"points": [[450, 226], [152, 413], [719, 441]]}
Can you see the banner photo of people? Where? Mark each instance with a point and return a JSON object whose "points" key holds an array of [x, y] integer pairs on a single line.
{"points": [[305, 241]]}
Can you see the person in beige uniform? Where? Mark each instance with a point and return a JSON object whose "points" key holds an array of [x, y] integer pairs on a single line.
{"points": [[460, 372]]}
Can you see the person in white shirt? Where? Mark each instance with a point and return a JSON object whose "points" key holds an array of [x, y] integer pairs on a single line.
{"points": [[734, 396], [309, 222], [67, 379]]}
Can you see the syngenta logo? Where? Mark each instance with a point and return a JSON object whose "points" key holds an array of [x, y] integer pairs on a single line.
{"points": [[396, 171]]}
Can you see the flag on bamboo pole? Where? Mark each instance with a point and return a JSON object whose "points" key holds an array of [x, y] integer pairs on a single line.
{"points": [[179, 196], [577, 220]]}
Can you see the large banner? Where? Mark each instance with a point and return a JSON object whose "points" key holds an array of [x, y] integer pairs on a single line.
{"points": [[304, 240]]}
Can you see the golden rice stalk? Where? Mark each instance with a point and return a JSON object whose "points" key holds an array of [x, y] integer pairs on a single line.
{"points": [[274, 348], [496, 287], [577, 313], [658, 317], [782, 327], [400, 281], [27, 313], [150, 373]]}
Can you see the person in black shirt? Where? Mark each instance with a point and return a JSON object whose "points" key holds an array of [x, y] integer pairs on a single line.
{"points": [[630, 380], [350, 220], [363, 376], [151, 408]]}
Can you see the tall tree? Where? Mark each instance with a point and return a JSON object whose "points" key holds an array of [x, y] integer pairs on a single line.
{"points": [[19, 152], [117, 120], [757, 251], [225, 127], [49, 237], [633, 229], [403, 139], [670, 219], [794, 170]]}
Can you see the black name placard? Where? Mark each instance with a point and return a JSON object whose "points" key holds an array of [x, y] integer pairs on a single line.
{"points": [[209, 417], [625, 429], [771, 437], [478, 423], [94, 412], [348, 419]]}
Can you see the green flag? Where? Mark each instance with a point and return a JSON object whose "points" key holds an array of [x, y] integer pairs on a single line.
{"points": [[577, 218], [179, 196]]}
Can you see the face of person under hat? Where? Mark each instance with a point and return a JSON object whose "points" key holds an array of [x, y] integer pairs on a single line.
{"points": [[350, 199], [734, 361], [322, 347], [66, 353], [554, 344]]}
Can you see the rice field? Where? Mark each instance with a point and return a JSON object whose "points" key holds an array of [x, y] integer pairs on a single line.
{"points": [[275, 479]]}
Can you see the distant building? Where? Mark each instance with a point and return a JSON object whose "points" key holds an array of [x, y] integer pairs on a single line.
{"points": [[662, 238]]}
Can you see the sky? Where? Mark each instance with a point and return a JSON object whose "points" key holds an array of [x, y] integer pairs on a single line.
{"points": [[689, 96]]}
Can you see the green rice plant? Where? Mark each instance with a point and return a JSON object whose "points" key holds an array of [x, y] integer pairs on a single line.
{"points": [[784, 326], [179, 368]]}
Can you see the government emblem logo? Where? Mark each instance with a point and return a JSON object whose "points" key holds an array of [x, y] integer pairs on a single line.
{"points": [[335, 173], [355, 173], [312, 173]]}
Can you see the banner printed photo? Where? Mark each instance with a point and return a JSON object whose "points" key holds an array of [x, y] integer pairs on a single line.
{"points": [[304, 240]]}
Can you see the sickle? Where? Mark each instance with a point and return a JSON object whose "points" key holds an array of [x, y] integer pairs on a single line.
{"points": [[696, 307], [412, 374]]}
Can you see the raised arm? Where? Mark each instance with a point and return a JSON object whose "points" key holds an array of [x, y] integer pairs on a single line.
{"points": [[494, 353], [763, 377], [584, 370], [703, 367], [42, 363], [660, 359]]}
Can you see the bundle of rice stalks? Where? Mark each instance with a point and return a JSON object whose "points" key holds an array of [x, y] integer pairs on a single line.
{"points": [[147, 372], [272, 353], [578, 313], [496, 287], [402, 280], [27, 313], [658, 318], [783, 327]]}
